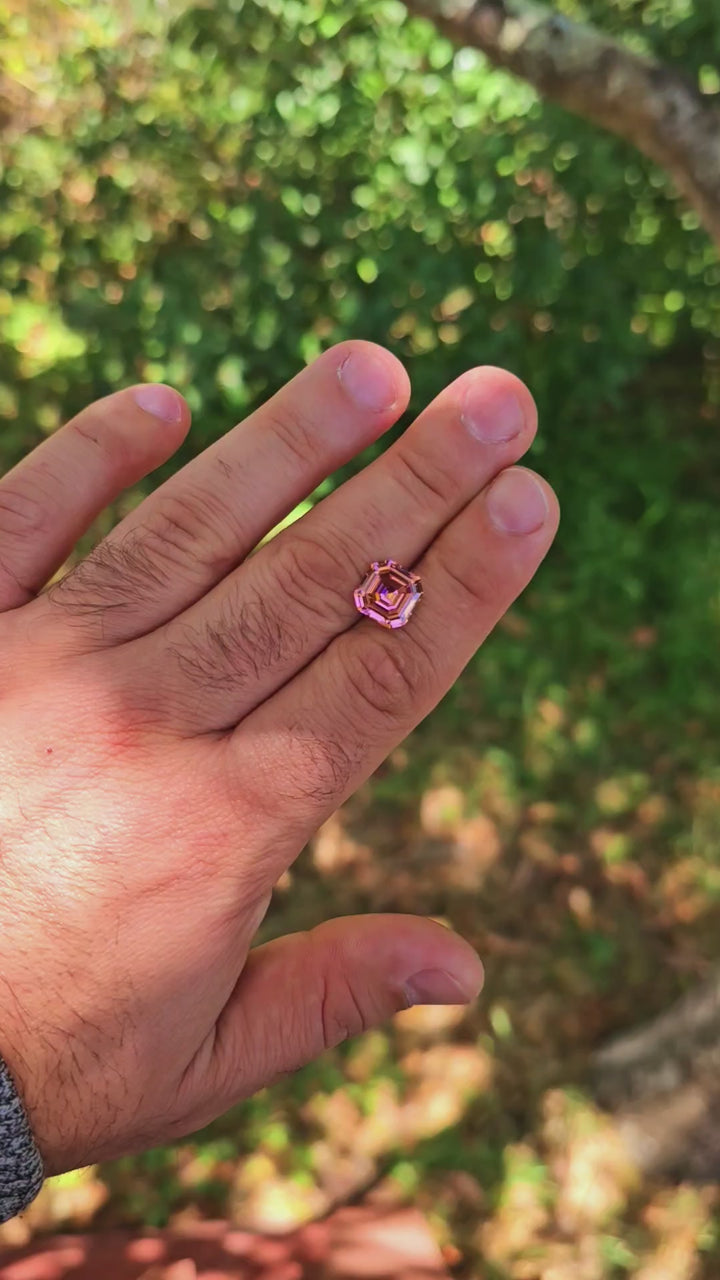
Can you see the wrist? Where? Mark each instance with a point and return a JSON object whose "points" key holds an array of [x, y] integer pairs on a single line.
{"points": [[21, 1166]]}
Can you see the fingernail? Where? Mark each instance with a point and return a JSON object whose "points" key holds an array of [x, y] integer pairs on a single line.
{"points": [[516, 502], [161, 402], [492, 414], [368, 381], [436, 986]]}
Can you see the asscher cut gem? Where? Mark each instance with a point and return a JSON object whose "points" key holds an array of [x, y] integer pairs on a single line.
{"points": [[389, 594]]}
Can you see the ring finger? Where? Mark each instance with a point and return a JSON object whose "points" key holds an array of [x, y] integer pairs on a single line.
{"points": [[302, 753]]}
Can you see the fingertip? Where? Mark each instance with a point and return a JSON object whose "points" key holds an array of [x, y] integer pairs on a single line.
{"points": [[553, 519], [372, 377], [520, 502], [520, 389], [439, 986], [404, 950], [456, 970], [496, 405], [163, 402]]}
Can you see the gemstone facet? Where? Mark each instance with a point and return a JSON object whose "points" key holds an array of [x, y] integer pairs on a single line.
{"points": [[388, 594]]}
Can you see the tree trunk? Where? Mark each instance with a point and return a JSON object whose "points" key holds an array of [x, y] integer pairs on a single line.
{"points": [[663, 1084], [650, 105]]}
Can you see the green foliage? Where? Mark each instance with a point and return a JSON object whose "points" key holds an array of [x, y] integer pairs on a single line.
{"points": [[210, 194], [211, 198], [683, 32]]}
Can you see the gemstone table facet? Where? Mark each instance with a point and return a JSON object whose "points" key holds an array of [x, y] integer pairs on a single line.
{"points": [[388, 594]]}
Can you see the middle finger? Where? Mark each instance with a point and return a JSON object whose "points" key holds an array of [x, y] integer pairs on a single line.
{"points": [[253, 632]]}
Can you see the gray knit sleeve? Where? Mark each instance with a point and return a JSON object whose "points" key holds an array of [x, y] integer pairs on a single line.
{"points": [[21, 1167]]}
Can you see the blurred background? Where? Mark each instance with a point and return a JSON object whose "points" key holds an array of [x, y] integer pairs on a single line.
{"points": [[209, 195]]}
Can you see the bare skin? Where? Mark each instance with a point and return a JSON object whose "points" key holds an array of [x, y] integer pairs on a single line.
{"points": [[177, 717]]}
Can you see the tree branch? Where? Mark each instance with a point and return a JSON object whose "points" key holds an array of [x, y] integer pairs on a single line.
{"points": [[663, 1085], [643, 101]]}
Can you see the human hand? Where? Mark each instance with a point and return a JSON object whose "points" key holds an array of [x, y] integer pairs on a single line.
{"points": [[177, 719]]}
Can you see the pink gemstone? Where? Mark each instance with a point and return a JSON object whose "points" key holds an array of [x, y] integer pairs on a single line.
{"points": [[389, 594]]}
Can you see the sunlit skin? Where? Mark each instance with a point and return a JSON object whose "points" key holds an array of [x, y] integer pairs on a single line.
{"points": [[177, 719]]}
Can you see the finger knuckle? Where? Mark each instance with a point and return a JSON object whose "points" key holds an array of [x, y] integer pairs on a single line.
{"points": [[379, 680], [24, 512], [312, 576], [188, 531], [231, 649], [312, 772], [97, 431], [424, 479], [294, 429], [321, 766], [117, 575], [472, 582], [341, 1012]]}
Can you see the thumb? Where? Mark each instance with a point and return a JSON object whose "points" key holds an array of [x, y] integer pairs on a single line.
{"points": [[307, 992]]}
